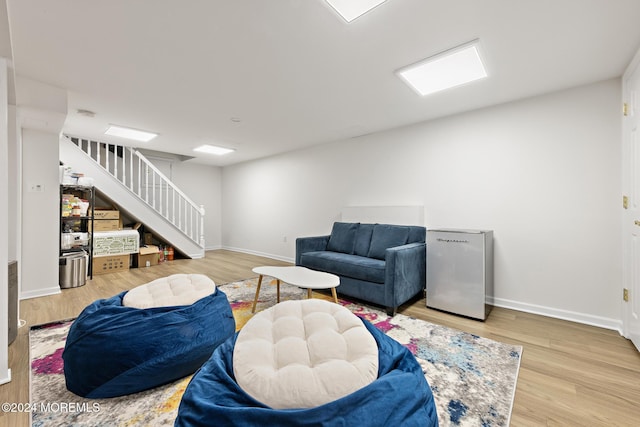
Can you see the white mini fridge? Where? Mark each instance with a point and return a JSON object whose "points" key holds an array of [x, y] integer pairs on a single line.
{"points": [[460, 271]]}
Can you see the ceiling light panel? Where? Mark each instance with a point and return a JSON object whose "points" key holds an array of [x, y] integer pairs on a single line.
{"points": [[213, 149], [351, 9], [129, 133], [448, 69]]}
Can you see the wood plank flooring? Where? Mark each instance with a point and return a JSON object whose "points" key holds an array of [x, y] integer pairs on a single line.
{"points": [[570, 375]]}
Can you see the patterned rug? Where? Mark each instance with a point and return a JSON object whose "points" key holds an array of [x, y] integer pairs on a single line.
{"points": [[473, 378]]}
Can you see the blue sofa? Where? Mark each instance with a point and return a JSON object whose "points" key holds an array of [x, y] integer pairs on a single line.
{"points": [[379, 263]]}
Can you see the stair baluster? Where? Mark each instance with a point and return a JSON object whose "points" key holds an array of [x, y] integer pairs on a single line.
{"points": [[140, 176]]}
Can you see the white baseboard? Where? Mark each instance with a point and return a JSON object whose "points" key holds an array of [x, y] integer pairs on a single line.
{"points": [[40, 293], [572, 316], [202, 254], [587, 319], [262, 254]]}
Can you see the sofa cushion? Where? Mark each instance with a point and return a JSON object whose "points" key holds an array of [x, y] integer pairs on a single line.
{"points": [[386, 236], [343, 236], [363, 239], [354, 266], [417, 234]]}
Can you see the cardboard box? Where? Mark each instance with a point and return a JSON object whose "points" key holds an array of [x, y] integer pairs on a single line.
{"points": [[148, 238], [110, 264], [107, 224], [148, 254], [105, 213], [117, 242]]}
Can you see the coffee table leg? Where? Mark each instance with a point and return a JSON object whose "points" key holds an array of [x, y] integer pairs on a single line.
{"points": [[309, 293], [277, 290], [335, 295], [255, 300]]}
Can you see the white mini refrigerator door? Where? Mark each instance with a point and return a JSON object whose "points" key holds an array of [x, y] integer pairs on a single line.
{"points": [[460, 271]]}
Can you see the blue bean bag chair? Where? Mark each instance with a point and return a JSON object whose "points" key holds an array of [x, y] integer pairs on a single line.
{"points": [[400, 396], [114, 350]]}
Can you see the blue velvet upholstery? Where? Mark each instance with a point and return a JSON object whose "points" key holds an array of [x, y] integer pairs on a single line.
{"points": [[113, 350], [358, 267], [400, 396], [363, 239], [387, 265], [343, 237], [386, 236]]}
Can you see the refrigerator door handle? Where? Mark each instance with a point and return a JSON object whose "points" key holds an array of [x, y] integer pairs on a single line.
{"points": [[451, 240]]}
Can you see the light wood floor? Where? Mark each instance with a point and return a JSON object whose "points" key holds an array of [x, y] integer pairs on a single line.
{"points": [[570, 375]]}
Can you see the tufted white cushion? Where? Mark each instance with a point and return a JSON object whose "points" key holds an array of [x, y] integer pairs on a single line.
{"points": [[302, 354], [177, 289]]}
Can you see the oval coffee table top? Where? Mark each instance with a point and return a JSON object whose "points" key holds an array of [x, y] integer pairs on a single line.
{"points": [[300, 276]]}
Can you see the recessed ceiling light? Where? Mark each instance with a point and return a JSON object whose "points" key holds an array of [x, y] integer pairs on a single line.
{"points": [[445, 70], [351, 9], [213, 149], [129, 133]]}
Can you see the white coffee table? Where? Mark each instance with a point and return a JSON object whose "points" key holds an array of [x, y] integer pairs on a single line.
{"points": [[297, 276]]}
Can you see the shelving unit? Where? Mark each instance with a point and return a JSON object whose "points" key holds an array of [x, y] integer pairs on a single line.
{"points": [[78, 223]]}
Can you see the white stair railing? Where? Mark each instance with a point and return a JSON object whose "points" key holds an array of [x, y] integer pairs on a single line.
{"points": [[141, 177]]}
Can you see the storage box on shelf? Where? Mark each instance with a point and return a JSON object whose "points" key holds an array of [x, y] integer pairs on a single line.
{"points": [[106, 213], [72, 240], [148, 238], [107, 225], [106, 219]]}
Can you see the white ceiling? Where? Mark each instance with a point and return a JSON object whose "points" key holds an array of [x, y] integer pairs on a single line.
{"points": [[293, 71]]}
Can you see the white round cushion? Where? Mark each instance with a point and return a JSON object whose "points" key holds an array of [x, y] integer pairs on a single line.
{"points": [[302, 354], [177, 289]]}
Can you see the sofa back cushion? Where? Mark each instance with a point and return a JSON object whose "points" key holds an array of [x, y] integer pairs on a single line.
{"points": [[343, 236], [417, 234], [363, 240], [372, 240], [386, 236]]}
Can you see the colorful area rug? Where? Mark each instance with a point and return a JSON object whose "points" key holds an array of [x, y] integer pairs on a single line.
{"points": [[473, 378]]}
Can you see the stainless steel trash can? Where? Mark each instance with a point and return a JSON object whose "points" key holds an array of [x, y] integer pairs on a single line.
{"points": [[73, 270]]}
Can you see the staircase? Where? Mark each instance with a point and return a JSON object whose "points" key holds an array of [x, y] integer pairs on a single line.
{"points": [[131, 181]]}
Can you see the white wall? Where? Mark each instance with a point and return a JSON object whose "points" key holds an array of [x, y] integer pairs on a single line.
{"points": [[13, 171], [543, 173], [203, 185], [5, 372], [40, 214]]}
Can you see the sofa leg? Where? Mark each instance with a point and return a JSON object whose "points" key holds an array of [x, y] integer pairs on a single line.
{"points": [[391, 311]]}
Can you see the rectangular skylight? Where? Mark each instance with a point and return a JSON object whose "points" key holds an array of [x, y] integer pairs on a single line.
{"points": [[213, 149], [129, 133], [445, 70], [351, 9]]}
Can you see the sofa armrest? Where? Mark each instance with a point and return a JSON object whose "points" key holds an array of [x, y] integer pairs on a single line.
{"points": [[406, 272], [310, 244]]}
